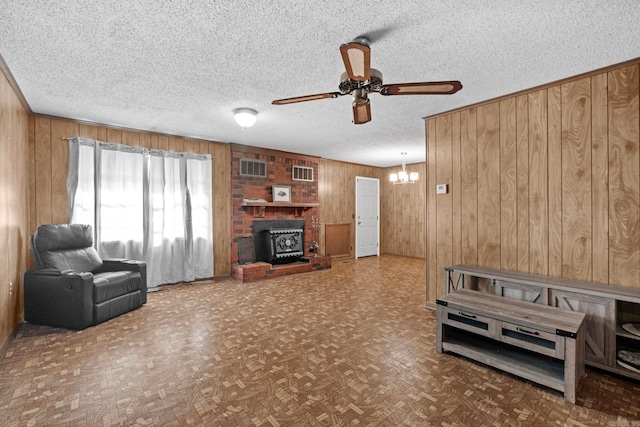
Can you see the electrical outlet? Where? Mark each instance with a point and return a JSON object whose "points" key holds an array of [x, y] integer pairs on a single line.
{"points": [[10, 288], [441, 189]]}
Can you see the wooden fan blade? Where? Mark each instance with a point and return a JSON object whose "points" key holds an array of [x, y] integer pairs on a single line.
{"points": [[306, 98], [357, 61], [361, 112], [424, 88]]}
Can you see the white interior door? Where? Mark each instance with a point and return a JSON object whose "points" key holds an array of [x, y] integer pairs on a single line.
{"points": [[367, 216]]}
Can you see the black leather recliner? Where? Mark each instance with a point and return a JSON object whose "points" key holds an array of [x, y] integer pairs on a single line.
{"points": [[71, 287]]}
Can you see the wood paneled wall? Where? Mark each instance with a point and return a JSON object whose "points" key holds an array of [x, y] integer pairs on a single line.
{"points": [[14, 207], [337, 194], [50, 154], [402, 210], [546, 182]]}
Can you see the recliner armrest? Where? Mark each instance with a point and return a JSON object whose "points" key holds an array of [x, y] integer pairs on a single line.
{"points": [[58, 298], [50, 272], [127, 265]]}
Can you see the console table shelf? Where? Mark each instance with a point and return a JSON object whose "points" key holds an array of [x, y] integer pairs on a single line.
{"points": [[539, 343], [260, 207]]}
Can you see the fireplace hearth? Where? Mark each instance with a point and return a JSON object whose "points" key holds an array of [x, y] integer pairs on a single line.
{"points": [[279, 241]]}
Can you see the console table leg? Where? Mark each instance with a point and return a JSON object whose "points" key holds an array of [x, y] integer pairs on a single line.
{"points": [[439, 330], [570, 372]]}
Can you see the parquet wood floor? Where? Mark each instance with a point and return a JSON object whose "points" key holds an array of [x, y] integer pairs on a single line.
{"points": [[353, 345]]}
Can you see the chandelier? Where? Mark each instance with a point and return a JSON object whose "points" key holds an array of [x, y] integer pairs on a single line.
{"points": [[402, 177]]}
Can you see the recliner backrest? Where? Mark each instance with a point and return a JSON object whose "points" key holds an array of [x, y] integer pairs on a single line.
{"points": [[65, 247]]}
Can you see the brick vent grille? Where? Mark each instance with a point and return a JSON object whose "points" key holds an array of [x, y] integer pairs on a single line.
{"points": [[251, 167], [302, 173]]}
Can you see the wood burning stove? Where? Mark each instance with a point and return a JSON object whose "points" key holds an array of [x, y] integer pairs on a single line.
{"points": [[286, 243], [278, 241]]}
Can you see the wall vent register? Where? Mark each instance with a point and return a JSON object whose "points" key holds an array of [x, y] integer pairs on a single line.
{"points": [[251, 167], [302, 173]]}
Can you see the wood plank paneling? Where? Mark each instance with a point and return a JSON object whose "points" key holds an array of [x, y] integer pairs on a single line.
{"points": [[599, 179], [102, 133], [554, 144], [444, 203], [508, 205], [402, 211], [454, 189], [114, 135], [43, 207], [60, 130], [145, 140], [576, 179], [130, 138], [15, 198], [88, 131], [538, 197], [522, 181], [469, 187], [176, 144], [6, 129], [432, 236], [153, 143], [188, 146], [32, 177], [221, 182], [624, 177], [489, 185], [163, 142]]}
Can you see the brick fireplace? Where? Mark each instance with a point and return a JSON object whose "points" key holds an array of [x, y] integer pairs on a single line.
{"points": [[279, 167]]}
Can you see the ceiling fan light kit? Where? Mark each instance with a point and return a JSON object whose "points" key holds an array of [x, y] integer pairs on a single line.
{"points": [[245, 117], [360, 79]]}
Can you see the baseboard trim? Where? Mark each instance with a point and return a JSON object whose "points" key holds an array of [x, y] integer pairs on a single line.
{"points": [[11, 337]]}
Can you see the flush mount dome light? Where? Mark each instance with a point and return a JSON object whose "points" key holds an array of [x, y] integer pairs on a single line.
{"points": [[245, 117]]}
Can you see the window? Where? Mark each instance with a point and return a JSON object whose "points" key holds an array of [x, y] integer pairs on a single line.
{"points": [[149, 205]]}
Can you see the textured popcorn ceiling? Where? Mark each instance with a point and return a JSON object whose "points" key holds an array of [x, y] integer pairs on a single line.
{"points": [[182, 67]]}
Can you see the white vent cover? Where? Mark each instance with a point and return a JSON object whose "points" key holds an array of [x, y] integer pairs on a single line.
{"points": [[302, 173], [251, 167]]}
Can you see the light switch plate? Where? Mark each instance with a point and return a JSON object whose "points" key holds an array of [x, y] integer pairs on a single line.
{"points": [[441, 189]]}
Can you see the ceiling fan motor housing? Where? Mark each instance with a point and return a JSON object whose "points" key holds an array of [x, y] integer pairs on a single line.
{"points": [[374, 84]]}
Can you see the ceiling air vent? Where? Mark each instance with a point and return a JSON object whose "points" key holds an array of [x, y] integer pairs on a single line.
{"points": [[251, 167], [302, 173]]}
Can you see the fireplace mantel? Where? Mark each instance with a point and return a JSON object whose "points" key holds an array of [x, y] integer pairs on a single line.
{"points": [[259, 207]]}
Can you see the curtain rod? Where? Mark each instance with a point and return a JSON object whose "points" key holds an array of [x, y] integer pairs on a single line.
{"points": [[71, 137]]}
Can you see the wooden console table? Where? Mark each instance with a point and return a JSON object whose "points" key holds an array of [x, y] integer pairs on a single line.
{"points": [[607, 307], [540, 343]]}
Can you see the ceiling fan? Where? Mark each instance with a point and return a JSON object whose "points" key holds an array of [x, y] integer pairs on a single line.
{"points": [[360, 79]]}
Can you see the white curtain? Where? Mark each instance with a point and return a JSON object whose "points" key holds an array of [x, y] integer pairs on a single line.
{"points": [[148, 205]]}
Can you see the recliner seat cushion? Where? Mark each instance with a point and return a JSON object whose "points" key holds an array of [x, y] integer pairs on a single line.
{"points": [[113, 284]]}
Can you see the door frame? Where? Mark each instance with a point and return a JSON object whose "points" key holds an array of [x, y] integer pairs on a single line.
{"points": [[377, 214]]}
